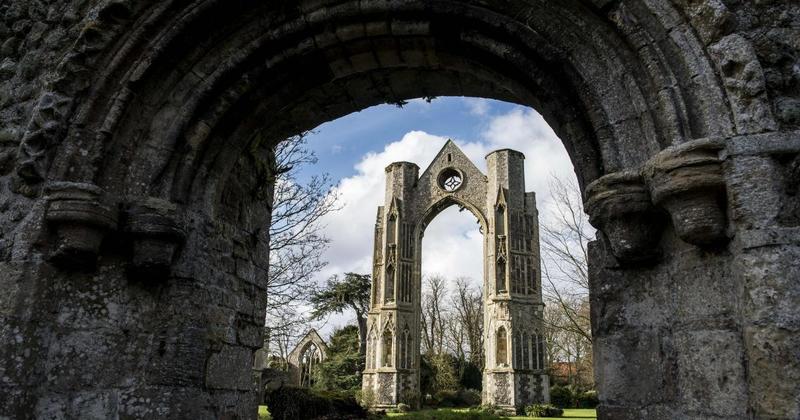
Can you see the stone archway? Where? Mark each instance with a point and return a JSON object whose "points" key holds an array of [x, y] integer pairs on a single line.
{"points": [[511, 279], [309, 352], [136, 182]]}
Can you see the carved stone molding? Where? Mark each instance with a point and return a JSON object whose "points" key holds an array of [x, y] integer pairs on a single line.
{"points": [[156, 234], [619, 205], [81, 220], [687, 181], [72, 77]]}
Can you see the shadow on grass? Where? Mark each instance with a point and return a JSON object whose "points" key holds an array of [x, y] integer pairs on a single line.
{"points": [[465, 414], [575, 413]]}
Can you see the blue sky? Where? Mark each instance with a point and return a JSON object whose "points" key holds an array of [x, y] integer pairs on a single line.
{"points": [[341, 143], [355, 150]]}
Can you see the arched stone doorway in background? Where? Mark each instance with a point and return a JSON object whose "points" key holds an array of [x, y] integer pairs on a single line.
{"points": [[309, 352], [511, 278], [136, 184]]}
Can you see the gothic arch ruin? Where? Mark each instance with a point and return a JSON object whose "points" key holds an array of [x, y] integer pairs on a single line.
{"points": [[135, 183], [309, 352], [511, 279]]}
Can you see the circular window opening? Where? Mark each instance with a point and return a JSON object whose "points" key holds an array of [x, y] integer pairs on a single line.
{"points": [[450, 179]]}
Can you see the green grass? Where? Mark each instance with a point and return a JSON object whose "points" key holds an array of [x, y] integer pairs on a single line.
{"points": [[463, 413], [571, 413], [442, 414]]}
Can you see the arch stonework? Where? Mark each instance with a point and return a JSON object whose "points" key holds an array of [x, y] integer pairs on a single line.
{"points": [[511, 277], [295, 358], [135, 184]]}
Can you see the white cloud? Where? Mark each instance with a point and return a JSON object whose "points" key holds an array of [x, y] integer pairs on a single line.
{"points": [[478, 106], [526, 131], [351, 229], [452, 246]]}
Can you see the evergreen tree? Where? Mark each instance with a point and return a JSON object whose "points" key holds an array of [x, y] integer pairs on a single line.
{"points": [[343, 293], [341, 370]]}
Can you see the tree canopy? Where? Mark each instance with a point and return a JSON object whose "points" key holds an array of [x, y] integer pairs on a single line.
{"points": [[341, 370], [341, 294]]}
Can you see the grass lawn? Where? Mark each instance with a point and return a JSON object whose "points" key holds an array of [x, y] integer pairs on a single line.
{"points": [[463, 413], [571, 413]]}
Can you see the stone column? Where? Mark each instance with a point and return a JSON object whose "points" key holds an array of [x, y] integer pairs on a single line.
{"points": [[514, 346], [666, 298], [391, 374], [763, 178]]}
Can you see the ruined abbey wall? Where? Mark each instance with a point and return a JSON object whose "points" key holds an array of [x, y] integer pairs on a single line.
{"points": [[514, 374], [135, 173]]}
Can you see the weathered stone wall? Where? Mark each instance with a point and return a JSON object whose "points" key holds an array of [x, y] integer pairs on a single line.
{"points": [[89, 344], [166, 99]]}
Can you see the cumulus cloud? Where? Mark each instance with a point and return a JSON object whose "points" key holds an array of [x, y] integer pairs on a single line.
{"points": [[478, 106], [352, 228], [453, 245]]}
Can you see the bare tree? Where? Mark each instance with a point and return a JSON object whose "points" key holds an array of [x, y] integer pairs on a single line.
{"points": [[564, 240], [433, 321], [452, 320], [296, 242], [568, 348], [467, 307], [455, 337], [286, 327]]}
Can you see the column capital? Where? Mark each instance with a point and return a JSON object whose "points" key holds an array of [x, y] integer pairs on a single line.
{"points": [[619, 205], [156, 233], [686, 180], [81, 219]]}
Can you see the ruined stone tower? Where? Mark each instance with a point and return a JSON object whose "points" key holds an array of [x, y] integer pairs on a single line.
{"points": [[514, 372]]}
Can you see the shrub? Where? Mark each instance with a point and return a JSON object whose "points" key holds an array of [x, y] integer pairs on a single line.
{"points": [[588, 399], [460, 398], [543, 410], [444, 373], [403, 408], [491, 410], [562, 396], [469, 397], [485, 413], [471, 414], [299, 404], [445, 398], [366, 398], [410, 397], [470, 375]]}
